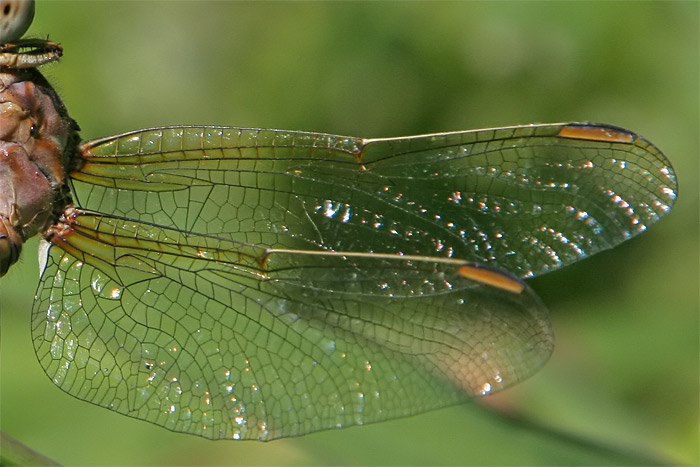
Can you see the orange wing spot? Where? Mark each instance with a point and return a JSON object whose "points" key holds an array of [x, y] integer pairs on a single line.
{"points": [[596, 133], [491, 278]]}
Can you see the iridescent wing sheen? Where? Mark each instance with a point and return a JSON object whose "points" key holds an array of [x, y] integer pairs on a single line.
{"points": [[257, 284]]}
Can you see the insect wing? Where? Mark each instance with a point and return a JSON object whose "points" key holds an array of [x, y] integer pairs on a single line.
{"points": [[230, 340], [526, 199], [261, 283]]}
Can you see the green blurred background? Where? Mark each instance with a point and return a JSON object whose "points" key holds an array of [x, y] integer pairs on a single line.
{"points": [[622, 385]]}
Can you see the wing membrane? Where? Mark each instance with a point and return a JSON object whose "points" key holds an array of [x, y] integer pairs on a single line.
{"points": [[255, 284], [524, 199], [230, 340]]}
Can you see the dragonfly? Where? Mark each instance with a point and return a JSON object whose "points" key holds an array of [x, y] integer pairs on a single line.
{"points": [[241, 283]]}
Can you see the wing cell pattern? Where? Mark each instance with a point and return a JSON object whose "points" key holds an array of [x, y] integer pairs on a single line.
{"points": [[256, 284]]}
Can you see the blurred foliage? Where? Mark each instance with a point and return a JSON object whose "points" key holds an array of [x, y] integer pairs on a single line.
{"points": [[622, 386]]}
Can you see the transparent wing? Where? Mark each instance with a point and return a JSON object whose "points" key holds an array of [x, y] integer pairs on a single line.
{"points": [[228, 340], [523, 199], [249, 284]]}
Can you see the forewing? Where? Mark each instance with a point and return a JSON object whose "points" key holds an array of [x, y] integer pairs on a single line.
{"points": [[523, 199], [222, 339]]}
